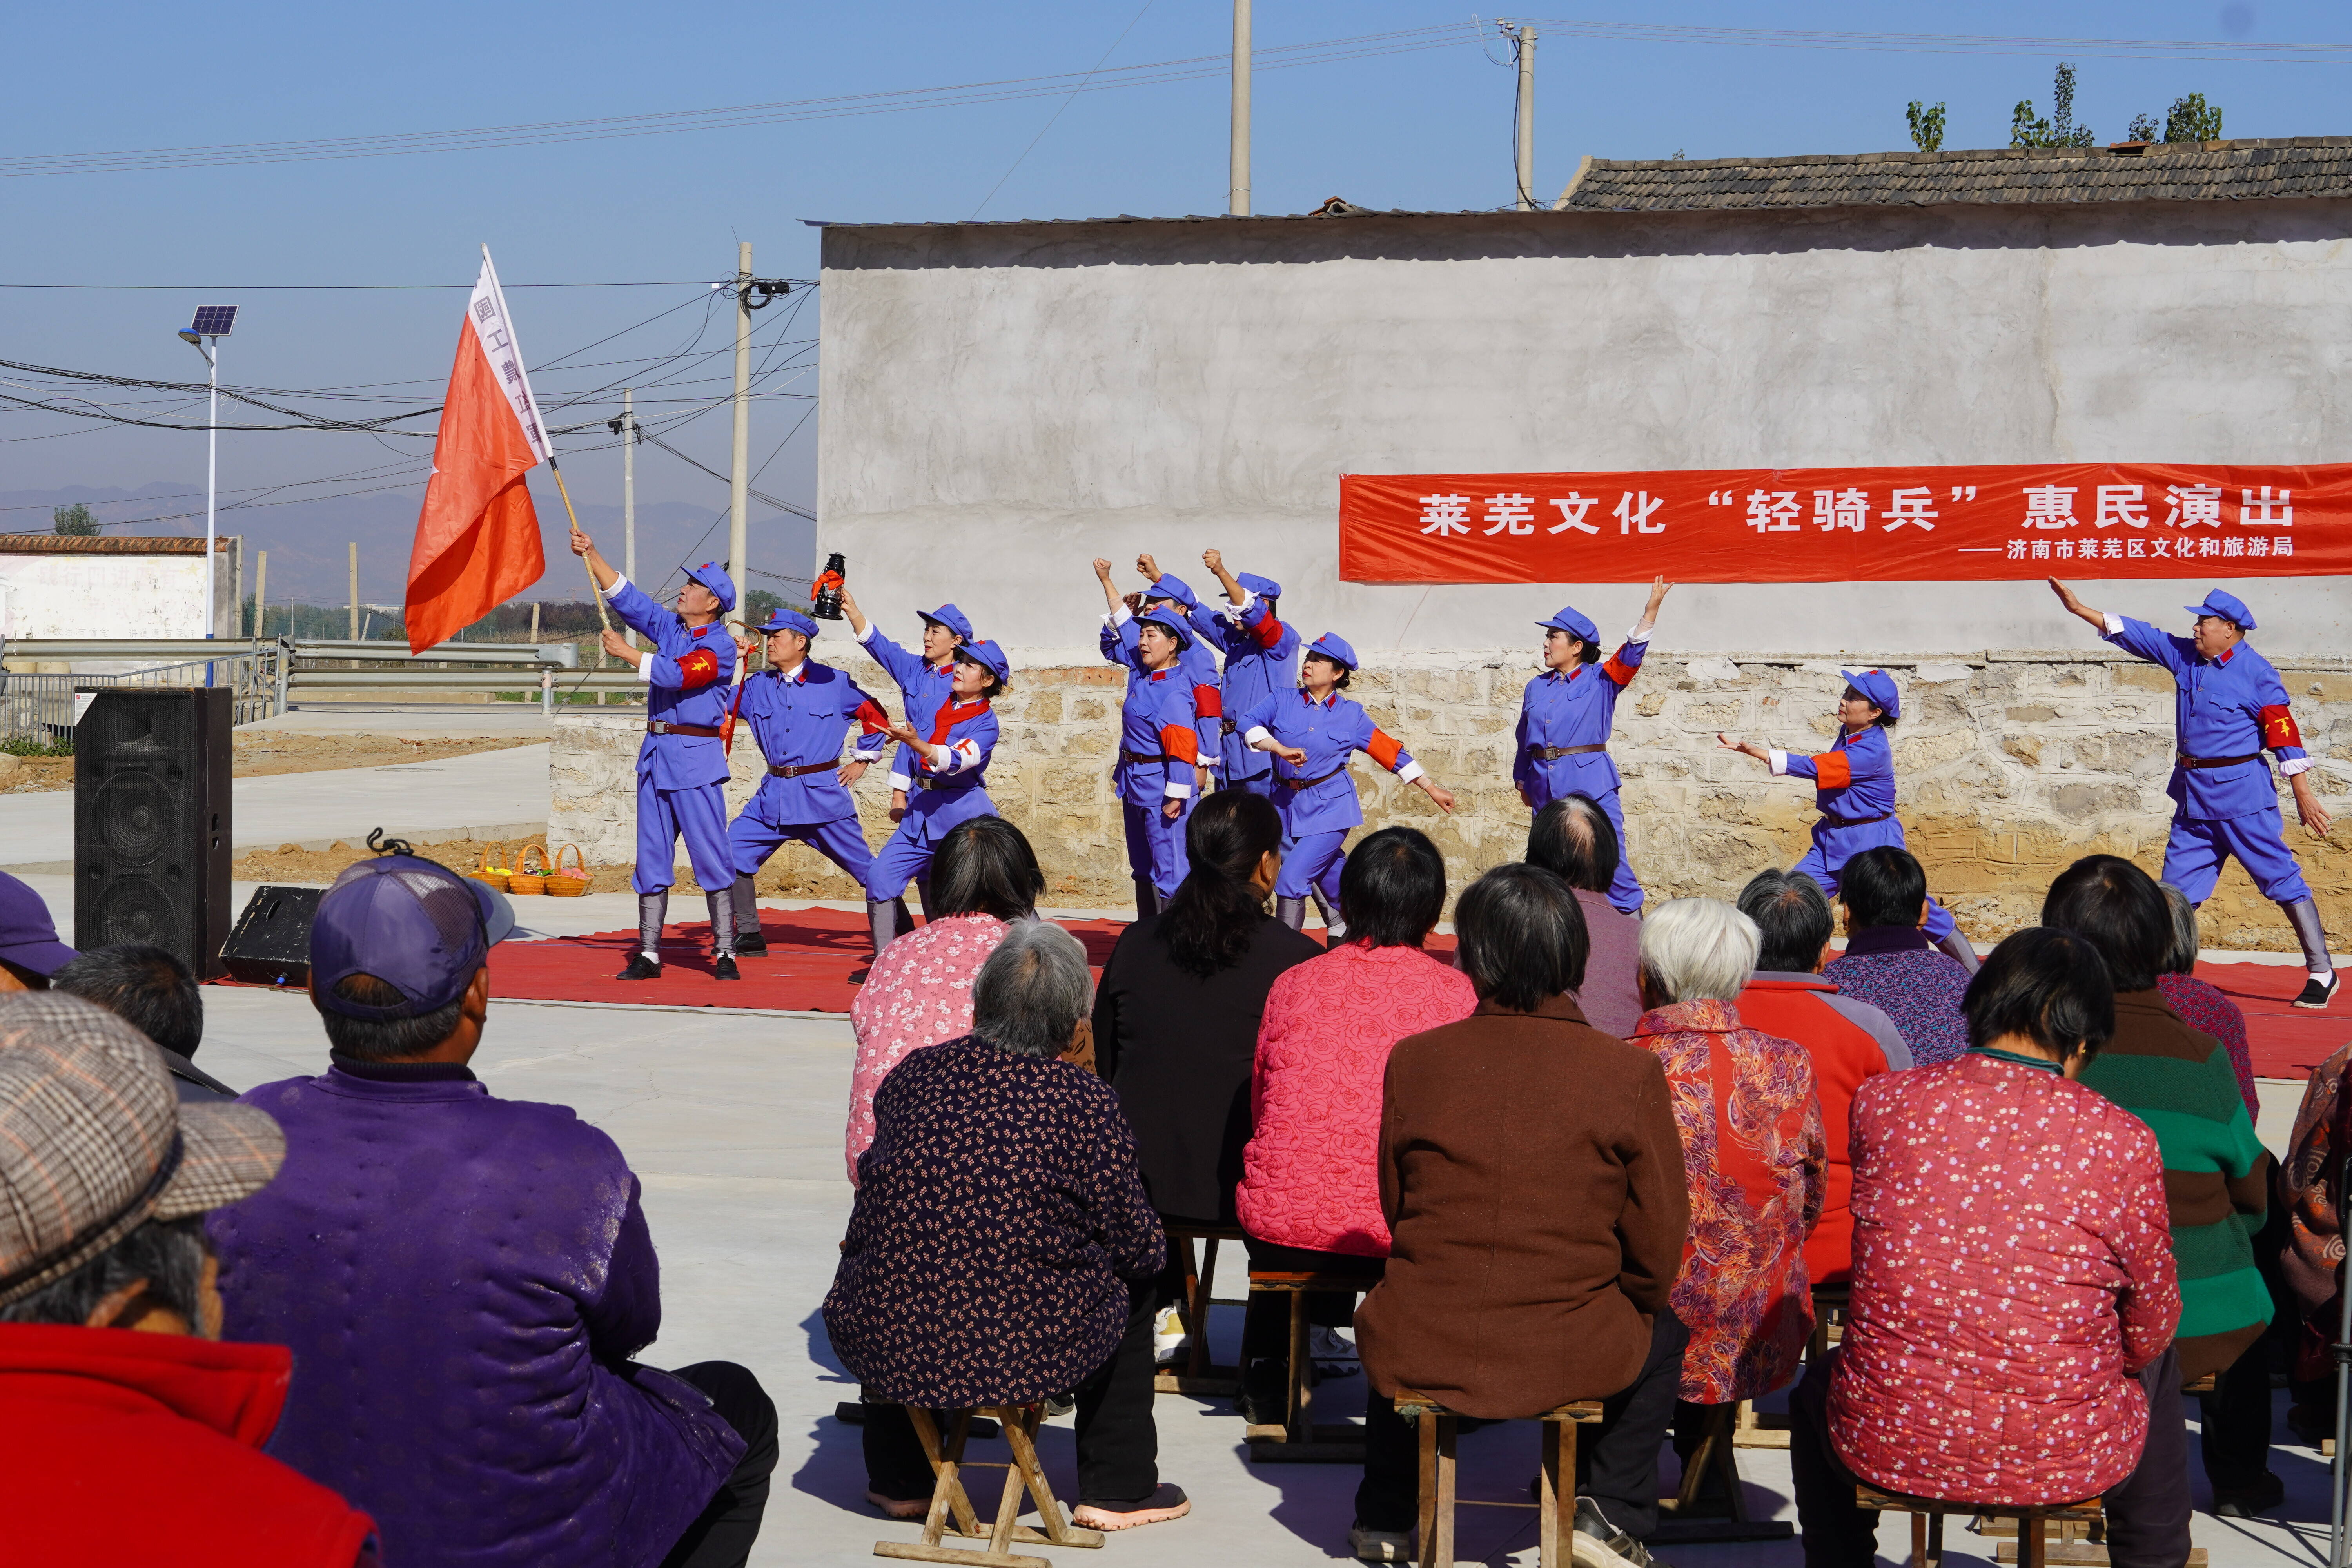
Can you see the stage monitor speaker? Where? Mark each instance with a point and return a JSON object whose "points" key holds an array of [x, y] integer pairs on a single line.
{"points": [[152, 822], [271, 943]]}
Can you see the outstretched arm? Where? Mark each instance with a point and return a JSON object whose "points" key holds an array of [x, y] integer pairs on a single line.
{"points": [[2075, 607], [1235, 594], [599, 569], [1659, 589]]}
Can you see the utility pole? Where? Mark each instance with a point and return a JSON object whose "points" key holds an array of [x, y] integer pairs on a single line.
{"points": [[739, 478], [1237, 196], [262, 595], [1525, 118], [356, 591]]}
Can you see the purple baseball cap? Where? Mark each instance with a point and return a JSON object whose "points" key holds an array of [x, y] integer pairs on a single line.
{"points": [[28, 936], [411, 922]]}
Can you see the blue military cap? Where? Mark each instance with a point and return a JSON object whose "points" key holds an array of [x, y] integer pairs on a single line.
{"points": [[1167, 621], [1879, 687], [1334, 649], [1263, 587], [713, 576], [1570, 621], [2228, 606], [986, 654], [789, 620], [1167, 586], [948, 615]]}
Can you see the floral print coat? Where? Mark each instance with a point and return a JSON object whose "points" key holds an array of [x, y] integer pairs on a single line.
{"points": [[918, 993]]}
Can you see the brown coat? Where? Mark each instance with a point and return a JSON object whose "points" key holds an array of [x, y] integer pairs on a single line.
{"points": [[1532, 1176]]}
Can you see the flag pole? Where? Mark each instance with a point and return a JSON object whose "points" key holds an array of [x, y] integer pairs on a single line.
{"points": [[595, 593]]}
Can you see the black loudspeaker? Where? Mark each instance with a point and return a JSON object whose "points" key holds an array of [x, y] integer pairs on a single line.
{"points": [[152, 822], [271, 943]]}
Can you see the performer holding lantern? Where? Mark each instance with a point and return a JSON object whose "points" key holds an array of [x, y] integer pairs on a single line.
{"points": [[950, 764]]}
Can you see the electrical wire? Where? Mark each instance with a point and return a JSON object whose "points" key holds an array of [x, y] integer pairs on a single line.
{"points": [[1056, 115], [2200, 49]]}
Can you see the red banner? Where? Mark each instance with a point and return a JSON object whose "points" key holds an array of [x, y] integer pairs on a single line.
{"points": [[1839, 525]]}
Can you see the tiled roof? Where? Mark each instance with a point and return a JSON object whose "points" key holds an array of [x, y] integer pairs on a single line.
{"points": [[2193, 171]]}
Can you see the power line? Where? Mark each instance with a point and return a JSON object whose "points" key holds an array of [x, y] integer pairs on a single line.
{"points": [[2200, 49]]}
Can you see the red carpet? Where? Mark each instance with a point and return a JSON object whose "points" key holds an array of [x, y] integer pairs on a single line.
{"points": [[811, 954]]}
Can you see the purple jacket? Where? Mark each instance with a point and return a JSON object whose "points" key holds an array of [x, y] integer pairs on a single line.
{"points": [[1894, 970], [462, 1281]]}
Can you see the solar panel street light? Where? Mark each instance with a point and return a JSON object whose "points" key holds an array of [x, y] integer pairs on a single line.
{"points": [[214, 322]]}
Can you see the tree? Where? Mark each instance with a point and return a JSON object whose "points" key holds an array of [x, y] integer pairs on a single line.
{"points": [[1927, 126], [73, 521], [2144, 128], [759, 604], [2060, 129], [2191, 118]]}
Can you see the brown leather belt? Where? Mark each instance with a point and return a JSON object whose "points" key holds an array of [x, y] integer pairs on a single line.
{"points": [[947, 786], [1302, 784], [793, 772], [2188, 762], [1228, 726], [1127, 756], [1553, 753], [663, 727], [1854, 821]]}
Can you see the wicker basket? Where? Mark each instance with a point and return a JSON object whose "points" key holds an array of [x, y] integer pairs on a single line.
{"points": [[569, 883], [522, 879], [489, 870]]}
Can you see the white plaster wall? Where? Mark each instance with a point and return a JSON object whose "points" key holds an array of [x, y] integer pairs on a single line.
{"points": [[1002, 403], [112, 595]]}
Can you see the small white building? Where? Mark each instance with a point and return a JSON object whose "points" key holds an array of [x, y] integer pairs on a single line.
{"points": [[99, 586]]}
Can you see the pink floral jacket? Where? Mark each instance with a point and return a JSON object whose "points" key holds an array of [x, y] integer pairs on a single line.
{"points": [[918, 993]]}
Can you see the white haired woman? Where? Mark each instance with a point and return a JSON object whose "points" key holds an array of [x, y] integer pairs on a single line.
{"points": [[1753, 1150]]}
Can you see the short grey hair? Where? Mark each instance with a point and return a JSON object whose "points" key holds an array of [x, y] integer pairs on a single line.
{"points": [[1698, 948], [1033, 991], [2182, 959]]}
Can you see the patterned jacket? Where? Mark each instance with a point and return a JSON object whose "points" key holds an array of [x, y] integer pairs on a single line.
{"points": [[1895, 970], [999, 1218], [918, 993], [1757, 1160], [2012, 1272]]}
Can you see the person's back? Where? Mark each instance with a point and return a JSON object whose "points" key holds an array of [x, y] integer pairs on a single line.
{"points": [[1888, 961], [1574, 840]]}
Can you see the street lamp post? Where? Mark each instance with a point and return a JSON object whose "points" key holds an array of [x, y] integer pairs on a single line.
{"points": [[213, 321]]}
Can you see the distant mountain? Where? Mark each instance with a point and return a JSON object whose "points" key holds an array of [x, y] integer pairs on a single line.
{"points": [[308, 541]]}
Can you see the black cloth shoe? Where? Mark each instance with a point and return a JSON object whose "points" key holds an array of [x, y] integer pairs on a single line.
{"points": [[1261, 1400], [1601, 1545], [2247, 1502], [640, 968], [2315, 994], [753, 946], [725, 969]]}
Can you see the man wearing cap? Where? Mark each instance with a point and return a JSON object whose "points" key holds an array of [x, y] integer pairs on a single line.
{"points": [[1854, 792], [1261, 658], [130, 1431], [800, 712], [1565, 717], [2230, 706], [29, 948], [1313, 732], [1158, 754], [925, 681], [1197, 662], [464, 1280], [949, 785], [681, 766]]}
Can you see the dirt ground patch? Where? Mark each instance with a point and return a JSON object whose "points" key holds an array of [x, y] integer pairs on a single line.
{"points": [[264, 751], [288, 866]]}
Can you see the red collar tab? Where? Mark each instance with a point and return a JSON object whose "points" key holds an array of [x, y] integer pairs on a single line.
{"points": [[2226, 655]]}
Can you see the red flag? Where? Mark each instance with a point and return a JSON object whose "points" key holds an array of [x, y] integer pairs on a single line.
{"points": [[477, 538]]}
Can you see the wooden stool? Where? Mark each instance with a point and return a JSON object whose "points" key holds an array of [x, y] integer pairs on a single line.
{"points": [[1927, 1522], [1198, 1376], [1298, 1440], [1769, 1429], [1556, 1512], [1685, 1518], [948, 1495]]}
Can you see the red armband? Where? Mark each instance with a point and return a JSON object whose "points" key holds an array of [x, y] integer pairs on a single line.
{"points": [[2278, 728], [697, 670], [1179, 745], [871, 718], [1618, 674], [1208, 702], [1833, 769], [1267, 632], [1383, 749]]}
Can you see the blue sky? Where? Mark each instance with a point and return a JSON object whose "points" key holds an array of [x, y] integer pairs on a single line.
{"points": [[1426, 130]]}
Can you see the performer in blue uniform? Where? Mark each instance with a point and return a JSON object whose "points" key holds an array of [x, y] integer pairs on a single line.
{"points": [[799, 711], [1196, 664], [924, 681], [2228, 708], [1313, 732], [681, 767], [1261, 657], [1565, 717], [1157, 750], [951, 766], [1855, 785]]}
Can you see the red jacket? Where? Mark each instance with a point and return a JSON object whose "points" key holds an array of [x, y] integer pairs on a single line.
{"points": [[126, 1448]]}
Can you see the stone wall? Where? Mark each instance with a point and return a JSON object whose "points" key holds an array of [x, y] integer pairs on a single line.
{"points": [[2010, 764]]}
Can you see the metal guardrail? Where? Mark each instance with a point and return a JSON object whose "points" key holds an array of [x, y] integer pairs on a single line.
{"points": [[41, 708]]}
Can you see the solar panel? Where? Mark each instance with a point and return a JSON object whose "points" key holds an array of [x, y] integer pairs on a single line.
{"points": [[215, 321]]}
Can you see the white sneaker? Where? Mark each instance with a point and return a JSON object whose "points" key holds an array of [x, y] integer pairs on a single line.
{"points": [[1379, 1545], [1332, 1356], [1170, 1342]]}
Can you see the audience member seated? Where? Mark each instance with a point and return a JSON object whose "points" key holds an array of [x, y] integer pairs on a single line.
{"points": [[1574, 840], [152, 992], [2311, 1191], [1753, 1152], [463, 1278], [2201, 1003], [1532, 1182], [129, 1434], [29, 948], [2008, 1341], [984, 875], [1310, 1188], [2217, 1174], [1176, 1017], [1001, 1247], [1888, 961], [1848, 1040]]}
